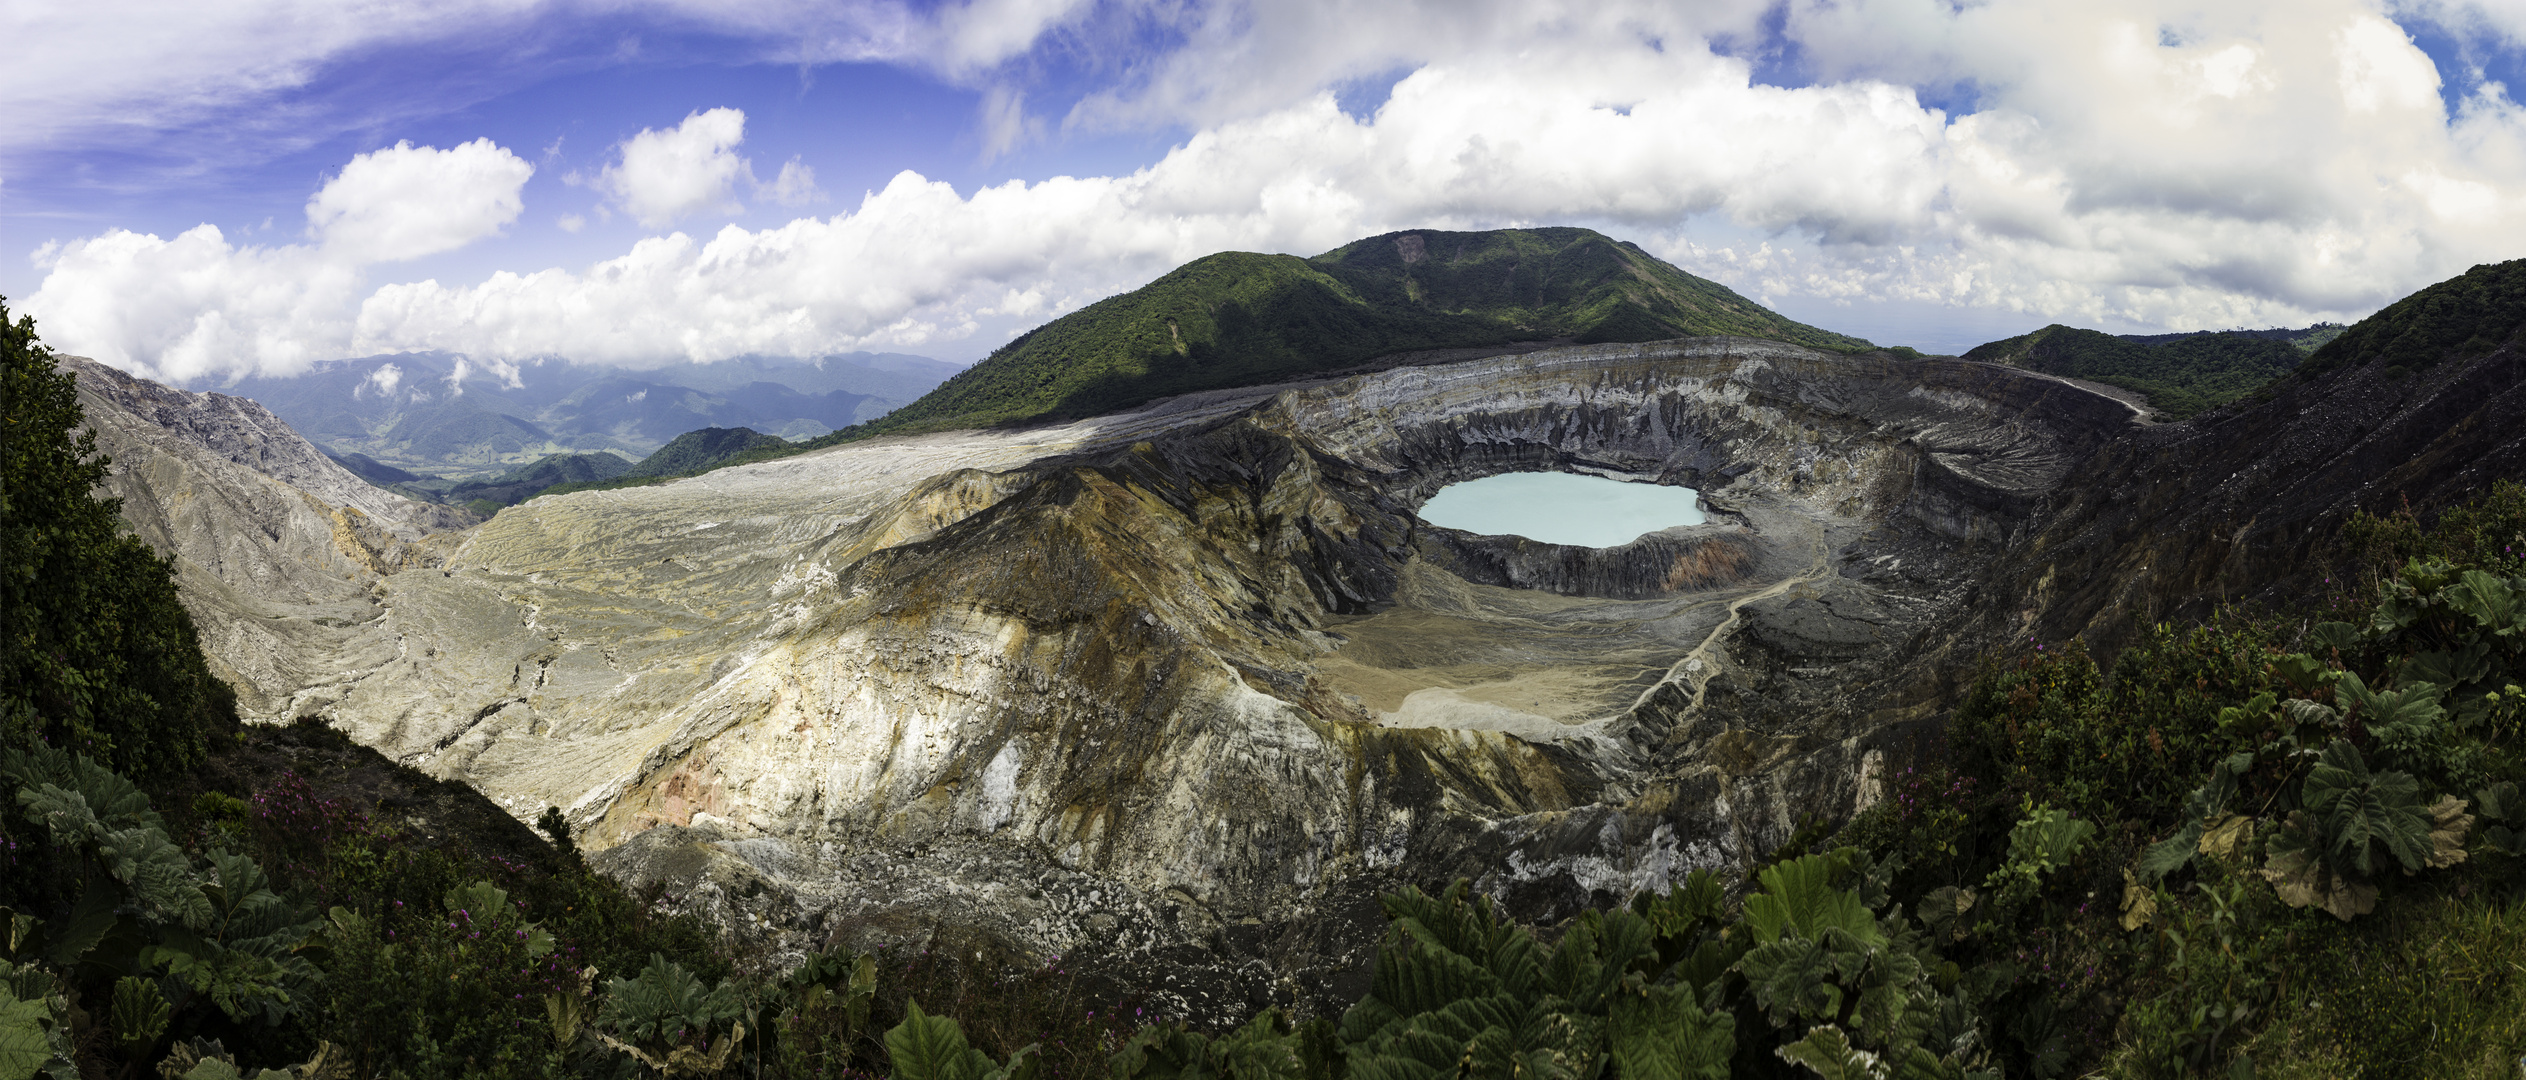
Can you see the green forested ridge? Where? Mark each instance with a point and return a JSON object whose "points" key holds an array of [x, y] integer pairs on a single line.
{"points": [[96, 654], [2183, 374], [692, 452], [697, 450], [1238, 319], [521, 483], [2305, 339], [2463, 317]]}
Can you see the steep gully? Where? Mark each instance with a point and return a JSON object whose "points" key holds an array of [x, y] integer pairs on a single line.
{"points": [[1176, 692]]}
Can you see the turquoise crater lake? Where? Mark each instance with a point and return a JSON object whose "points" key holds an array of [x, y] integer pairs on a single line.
{"points": [[1562, 508]]}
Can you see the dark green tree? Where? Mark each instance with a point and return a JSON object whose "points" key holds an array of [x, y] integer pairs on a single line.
{"points": [[96, 655]]}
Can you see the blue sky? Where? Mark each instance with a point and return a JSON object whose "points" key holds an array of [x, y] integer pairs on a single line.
{"points": [[683, 181]]}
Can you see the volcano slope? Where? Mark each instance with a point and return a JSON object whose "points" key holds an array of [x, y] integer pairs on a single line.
{"points": [[276, 546], [1182, 688]]}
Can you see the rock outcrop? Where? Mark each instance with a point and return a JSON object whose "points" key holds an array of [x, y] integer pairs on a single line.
{"points": [[277, 548]]}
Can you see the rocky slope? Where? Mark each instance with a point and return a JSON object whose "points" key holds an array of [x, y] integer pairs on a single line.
{"points": [[2243, 503], [277, 547], [1184, 687]]}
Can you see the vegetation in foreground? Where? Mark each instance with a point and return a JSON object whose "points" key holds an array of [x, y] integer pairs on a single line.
{"points": [[2286, 844]]}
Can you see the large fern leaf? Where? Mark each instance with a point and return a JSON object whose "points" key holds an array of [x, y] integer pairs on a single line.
{"points": [[138, 1014], [1794, 977], [1828, 1053], [1260, 1050], [23, 1048], [160, 875], [665, 999], [2359, 812], [1664, 1034], [2488, 600], [54, 781], [1798, 897], [2298, 872], [925, 1047], [1418, 975]]}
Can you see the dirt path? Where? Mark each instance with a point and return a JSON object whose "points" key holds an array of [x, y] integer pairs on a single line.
{"points": [[1693, 668]]}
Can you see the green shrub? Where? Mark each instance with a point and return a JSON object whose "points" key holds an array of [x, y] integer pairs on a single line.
{"points": [[212, 942], [456, 987], [96, 654], [2431, 987]]}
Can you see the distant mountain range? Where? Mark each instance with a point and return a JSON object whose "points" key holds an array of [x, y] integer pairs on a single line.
{"points": [[2182, 374], [692, 452], [430, 414]]}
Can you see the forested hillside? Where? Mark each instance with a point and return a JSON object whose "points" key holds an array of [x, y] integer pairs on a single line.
{"points": [[1238, 319], [2183, 374]]}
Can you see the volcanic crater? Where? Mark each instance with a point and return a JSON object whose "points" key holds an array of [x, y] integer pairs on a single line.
{"points": [[1183, 687]]}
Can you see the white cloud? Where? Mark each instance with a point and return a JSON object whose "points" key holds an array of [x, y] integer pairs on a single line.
{"points": [[201, 304], [661, 176], [2140, 164], [981, 34], [1242, 57], [404, 202], [79, 71], [2498, 18], [2381, 69], [1004, 120], [381, 382], [196, 304], [795, 186]]}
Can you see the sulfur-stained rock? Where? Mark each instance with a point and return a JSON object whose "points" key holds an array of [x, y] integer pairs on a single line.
{"points": [[1183, 688]]}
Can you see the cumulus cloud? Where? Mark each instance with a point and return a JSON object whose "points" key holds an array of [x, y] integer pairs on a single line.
{"points": [[381, 383], [2153, 164], [200, 303], [795, 186], [195, 304], [2213, 178], [663, 175], [404, 202]]}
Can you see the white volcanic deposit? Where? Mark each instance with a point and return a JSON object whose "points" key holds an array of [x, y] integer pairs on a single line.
{"points": [[1180, 687]]}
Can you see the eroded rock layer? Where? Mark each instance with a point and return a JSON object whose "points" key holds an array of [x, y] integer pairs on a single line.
{"points": [[278, 549], [1186, 686]]}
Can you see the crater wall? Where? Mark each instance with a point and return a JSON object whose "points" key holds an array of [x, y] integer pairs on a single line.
{"points": [[1184, 687]]}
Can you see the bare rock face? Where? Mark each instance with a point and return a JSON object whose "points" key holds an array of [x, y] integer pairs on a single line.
{"points": [[1181, 689], [2239, 504], [277, 547]]}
